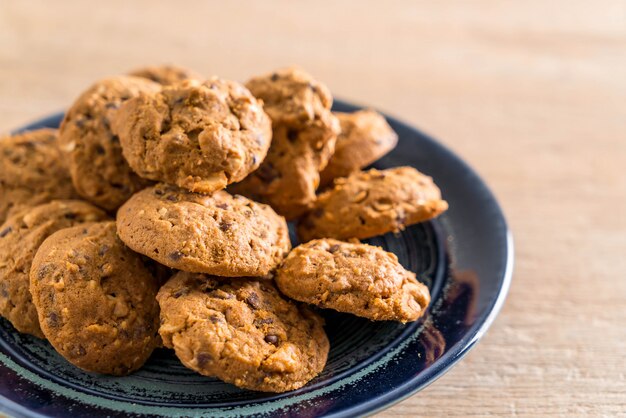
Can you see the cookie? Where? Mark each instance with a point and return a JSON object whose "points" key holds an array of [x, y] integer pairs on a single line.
{"points": [[95, 299], [365, 137], [216, 234], [242, 332], [198, 135], [99, 171], [32, 171], [305, 132], [355, 278], [20, 238], [166, 74], [371, 203]]}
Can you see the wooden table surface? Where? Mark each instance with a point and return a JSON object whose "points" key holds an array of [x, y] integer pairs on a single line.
{"points": [[531, 93]]}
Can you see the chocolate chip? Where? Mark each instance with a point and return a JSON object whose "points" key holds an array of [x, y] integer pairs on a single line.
{"points": [[53, 320], [28, 144], [292, 135], [176, 255], [43, 271], [318, 213], [253, 300], [158, 192], [225, 225], [202, 359], [259, 322], [70, 215], [180, 292], [274, 77], [333, 248], [271, 339], [171, 198], [254, 160], [112, 105], [100, 150], [194, 133], [222, 205], [115, 138], [214, 319], [267, 173], [6, 231]]}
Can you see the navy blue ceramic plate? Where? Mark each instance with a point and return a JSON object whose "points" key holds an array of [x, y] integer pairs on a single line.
{"points": [[465, 257]]}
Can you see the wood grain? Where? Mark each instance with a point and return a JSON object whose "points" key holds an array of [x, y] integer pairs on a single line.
{"points": [[532, 94]]}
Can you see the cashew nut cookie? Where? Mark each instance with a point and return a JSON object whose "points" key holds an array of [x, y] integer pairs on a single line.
{"points": [[355, 278], [216, 234], [242, 331], [20, 238], [99, 171], [200, 136], [365, 137], [95, 299], [305, 132], [166, 74], [373, 202], [32, 171]]}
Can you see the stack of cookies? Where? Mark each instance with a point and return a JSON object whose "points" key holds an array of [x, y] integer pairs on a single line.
{"points": [[157, 216]]}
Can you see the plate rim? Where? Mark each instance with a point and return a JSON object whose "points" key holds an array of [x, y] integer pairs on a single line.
{"points": [[443, 364]]}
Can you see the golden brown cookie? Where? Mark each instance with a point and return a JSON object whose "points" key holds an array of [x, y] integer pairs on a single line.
{"points": [[20, 238], [241, 331], [371, 203], [32, 171], [99, 171], [166, 74], [95, 299], [365, 137], [198, 135], [355, 278], [218, 234], [305, 132]]}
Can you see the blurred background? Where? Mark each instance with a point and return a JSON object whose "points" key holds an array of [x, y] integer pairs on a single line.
{"points": [[532, 94]]}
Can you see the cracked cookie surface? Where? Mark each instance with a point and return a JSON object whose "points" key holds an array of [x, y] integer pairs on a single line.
{"points": [[305, 132], [20, 238], [242, 331], [32, 171], [166, 74], [365, 137], [99, 172], [355, 278], [217, 234], [373, 202], [200, 136], [95, 299]]}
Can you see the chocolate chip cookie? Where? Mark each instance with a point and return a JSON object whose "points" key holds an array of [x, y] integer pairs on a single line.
{"points": [[365, 137], [20, 238], [32, 171], [216, 234], [356, 278], [166, 74], [371, 203], [99, 171], [241, 331], [198, 135], [95, 299], [305, 132]]}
